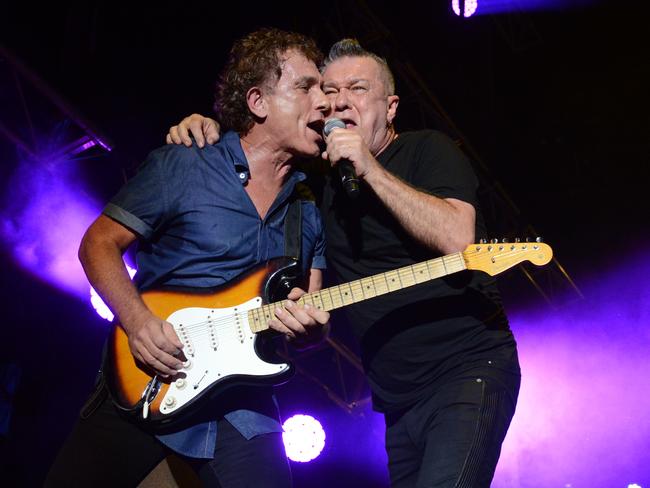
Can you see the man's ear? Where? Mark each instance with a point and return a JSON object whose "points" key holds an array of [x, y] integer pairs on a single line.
{"points": [[256, 102], [393, 102]]}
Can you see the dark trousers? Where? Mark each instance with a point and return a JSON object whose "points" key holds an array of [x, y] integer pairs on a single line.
{"points": [[453, 439], [105, 450]]}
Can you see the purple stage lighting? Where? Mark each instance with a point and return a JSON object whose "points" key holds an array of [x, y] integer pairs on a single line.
{"points": [[304, 438], [585, 376], [469, 7], [98, 304], [43, 217]]}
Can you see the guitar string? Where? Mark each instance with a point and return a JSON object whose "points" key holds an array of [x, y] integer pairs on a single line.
{"points": [[197, 330]]}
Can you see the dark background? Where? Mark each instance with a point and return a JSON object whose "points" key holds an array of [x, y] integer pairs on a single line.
{"points": [[555, 104]]}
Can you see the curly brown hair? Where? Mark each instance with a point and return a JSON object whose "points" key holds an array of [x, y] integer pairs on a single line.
{"points": [[255, 60]]}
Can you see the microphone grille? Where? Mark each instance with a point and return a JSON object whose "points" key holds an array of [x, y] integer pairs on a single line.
{"points": [[331, 124]]}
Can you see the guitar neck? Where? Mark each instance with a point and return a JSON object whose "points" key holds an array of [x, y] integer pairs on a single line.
{"points": [[365, 288]]}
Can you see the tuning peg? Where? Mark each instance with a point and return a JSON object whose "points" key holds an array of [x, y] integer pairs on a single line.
{"points": [[494, 241], [539, 239], [504, 240], [517, 239], [527, 239], [482, 241]]}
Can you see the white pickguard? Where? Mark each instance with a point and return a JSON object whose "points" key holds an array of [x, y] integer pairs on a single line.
{"points": [[218, 343]]}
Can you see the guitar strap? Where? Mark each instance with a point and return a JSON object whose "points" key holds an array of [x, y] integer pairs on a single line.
{"points": [[293, 229]]}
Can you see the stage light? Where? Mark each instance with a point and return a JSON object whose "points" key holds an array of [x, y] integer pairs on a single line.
{"points": [[634, 485], [469, 7], [495, 7], [43, 215], [98, 304], [304, 438]]}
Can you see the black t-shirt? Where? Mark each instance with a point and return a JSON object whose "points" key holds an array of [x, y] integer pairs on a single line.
{"points": [[413, 339]]}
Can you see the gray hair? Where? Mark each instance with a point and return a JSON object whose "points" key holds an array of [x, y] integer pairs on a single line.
{"points": [[351, 48]]}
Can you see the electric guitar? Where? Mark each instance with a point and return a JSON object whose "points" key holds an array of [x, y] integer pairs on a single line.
{"points": [[219, 328]]}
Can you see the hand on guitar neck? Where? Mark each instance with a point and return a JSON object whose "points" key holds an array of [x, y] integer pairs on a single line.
{"points": [[303, 325]]}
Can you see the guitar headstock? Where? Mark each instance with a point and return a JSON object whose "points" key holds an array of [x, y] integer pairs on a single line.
{"points": [[494, 257]]}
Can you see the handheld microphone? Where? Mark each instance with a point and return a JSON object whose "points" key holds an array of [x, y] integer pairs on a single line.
{"points": [[347, 173]]}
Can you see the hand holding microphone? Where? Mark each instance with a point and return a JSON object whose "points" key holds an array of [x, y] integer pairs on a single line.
{"points": [[347, 173]]}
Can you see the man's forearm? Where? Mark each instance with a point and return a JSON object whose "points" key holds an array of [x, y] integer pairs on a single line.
{"points": [[104, 267], [152, 341], [444, 225]]}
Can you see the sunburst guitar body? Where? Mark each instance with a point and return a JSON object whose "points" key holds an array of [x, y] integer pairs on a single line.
{"points": [[219, 344]]}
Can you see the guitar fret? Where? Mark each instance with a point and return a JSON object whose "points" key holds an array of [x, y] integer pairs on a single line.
{"points": [[436, 268], [337, 298], [420, 277], [263, 323], [318, 301], [354, 291], [383, 275], [267, 314], [359, 287], [379, 285], [325, 299], [259, 324], [368, 287], [346, 294], [354, 288], [451, 263], [444, 265], [390, 281], [407, 278], [398, 272]]}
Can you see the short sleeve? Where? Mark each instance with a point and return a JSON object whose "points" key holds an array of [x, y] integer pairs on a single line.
{"points": [[141, 203], [443, 169]]}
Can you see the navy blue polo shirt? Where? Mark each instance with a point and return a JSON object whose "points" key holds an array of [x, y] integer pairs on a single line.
{"points": [[197, 227]]}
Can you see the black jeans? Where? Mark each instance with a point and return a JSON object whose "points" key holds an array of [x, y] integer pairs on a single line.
{"points": [[105, 450], [453, 439]]}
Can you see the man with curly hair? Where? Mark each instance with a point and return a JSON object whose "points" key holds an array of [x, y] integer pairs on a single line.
{"points": [[201, 218]]}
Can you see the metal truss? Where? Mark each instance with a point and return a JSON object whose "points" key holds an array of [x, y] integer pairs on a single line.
{"points": [[37, 121], [336, 369], [517, 29]]}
